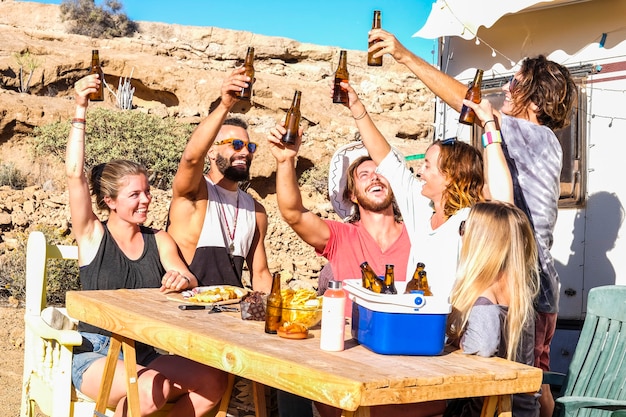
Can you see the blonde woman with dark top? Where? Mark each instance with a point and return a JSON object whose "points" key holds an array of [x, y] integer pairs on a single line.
{"points": [[492, 300]]}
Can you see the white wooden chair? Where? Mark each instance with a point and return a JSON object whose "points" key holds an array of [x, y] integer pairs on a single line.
{"points": [[50, 336]]}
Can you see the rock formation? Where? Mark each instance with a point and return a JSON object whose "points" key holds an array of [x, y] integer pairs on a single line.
{"points": [[177, 72]]}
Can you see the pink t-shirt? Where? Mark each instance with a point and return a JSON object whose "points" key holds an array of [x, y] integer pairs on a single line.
{"points": [[350, 244]]}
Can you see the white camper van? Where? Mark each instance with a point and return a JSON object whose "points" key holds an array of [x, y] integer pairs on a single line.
{"points": [[588, 37]]}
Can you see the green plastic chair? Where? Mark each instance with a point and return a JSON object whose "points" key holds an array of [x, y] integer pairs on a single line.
{"points": [[595, 383]]}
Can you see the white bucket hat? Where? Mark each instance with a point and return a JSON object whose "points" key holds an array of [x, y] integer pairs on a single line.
{"points": [[337, 180]]}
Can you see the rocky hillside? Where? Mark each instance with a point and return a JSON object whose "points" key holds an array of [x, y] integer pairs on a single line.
{"points": [[177, 72]]}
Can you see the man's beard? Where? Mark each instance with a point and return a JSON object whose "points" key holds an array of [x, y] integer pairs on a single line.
{"points": [[231, 173], [375, 207]]}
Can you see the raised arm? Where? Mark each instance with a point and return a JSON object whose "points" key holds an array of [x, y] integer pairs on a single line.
{"points": [[498, 181], [188, 182], [441, 84], [311, 228], [85, 224], [375, 143]]}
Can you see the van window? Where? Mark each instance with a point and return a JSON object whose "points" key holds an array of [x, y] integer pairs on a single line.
{"points": [[572, 139]]}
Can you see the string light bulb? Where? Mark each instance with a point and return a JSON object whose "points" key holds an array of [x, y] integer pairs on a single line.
{"points": [[493, 52], [477, 41]]}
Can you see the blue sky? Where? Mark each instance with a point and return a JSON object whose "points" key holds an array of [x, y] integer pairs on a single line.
{"points": [[340, 23]]}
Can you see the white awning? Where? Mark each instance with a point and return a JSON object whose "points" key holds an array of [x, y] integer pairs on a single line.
{"points": [[463, 17]]}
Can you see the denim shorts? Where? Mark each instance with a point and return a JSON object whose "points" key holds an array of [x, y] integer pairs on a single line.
{"points": [[96, 346]]}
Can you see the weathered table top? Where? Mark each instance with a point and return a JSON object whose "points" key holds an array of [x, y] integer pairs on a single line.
{"points": [[353, 378]]}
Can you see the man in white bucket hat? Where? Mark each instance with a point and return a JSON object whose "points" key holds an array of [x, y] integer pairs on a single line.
{"points": [[372, 229]]}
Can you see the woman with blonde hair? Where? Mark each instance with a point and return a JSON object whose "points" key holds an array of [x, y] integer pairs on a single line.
{"points": [[492, 299]]}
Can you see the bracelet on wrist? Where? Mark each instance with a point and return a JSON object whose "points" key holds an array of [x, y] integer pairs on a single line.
{"points": [[489, 121], [491, 137], [78, 120], [360, 116]]}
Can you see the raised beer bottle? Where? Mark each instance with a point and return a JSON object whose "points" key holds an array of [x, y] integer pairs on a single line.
{"points": [[415, 283], [274, 306], [467, 115], [371, 60], [246, 92], [97, 69], [292, 121], [389, 283], [340, 95]]}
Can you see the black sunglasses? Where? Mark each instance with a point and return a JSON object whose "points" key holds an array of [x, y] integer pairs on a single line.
{"points": [[449, 141]]}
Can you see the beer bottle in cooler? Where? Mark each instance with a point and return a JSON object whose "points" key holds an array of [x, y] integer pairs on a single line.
{"points": [[424, 283], [274, 306], [246, 92], [371, 60], [389, 283], [97, 69], [292, 121], [467, 115], [368, 276], [340, 95], [416, 282]]}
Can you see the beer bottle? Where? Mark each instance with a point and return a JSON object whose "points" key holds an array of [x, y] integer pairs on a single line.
{"points": [[368, 276], [378, 285], [424, 283], [467, 115], [371, 61], [97, 69], [246, 92], [340, 95], [292, 121], [415, 283], [274, 307], [389, 283]]}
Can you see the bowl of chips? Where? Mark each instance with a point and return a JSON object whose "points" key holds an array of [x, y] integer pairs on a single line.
{"points": [[302, 306]]}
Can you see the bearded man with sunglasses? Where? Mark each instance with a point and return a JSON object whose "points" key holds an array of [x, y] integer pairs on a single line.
{"points": [[216, 225], [538, 100]]}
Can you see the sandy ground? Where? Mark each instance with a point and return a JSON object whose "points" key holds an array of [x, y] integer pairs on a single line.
{"points": [[11, 359]]}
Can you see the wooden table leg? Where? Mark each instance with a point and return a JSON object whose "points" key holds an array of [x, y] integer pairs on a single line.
{"points": [[225, 401], [260, 405], [489, 406], [130, 365], [504, 406], [359, 412], [107, 377]]}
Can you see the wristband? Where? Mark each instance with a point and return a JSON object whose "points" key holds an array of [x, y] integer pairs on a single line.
{"points": [[489, 121], [491, 137], [78, 120], [362, 115]]}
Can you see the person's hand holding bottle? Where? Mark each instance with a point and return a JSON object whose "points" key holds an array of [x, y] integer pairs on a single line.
{"points": [[282, 151]]}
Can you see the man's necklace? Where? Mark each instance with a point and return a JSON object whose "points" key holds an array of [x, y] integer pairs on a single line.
{"points": [[231, 236]]}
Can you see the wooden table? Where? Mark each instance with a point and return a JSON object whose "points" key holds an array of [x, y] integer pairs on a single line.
{"points": [[352, 380]]}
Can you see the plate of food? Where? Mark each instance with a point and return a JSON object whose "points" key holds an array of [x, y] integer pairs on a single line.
{"points": [[211, 295]]}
